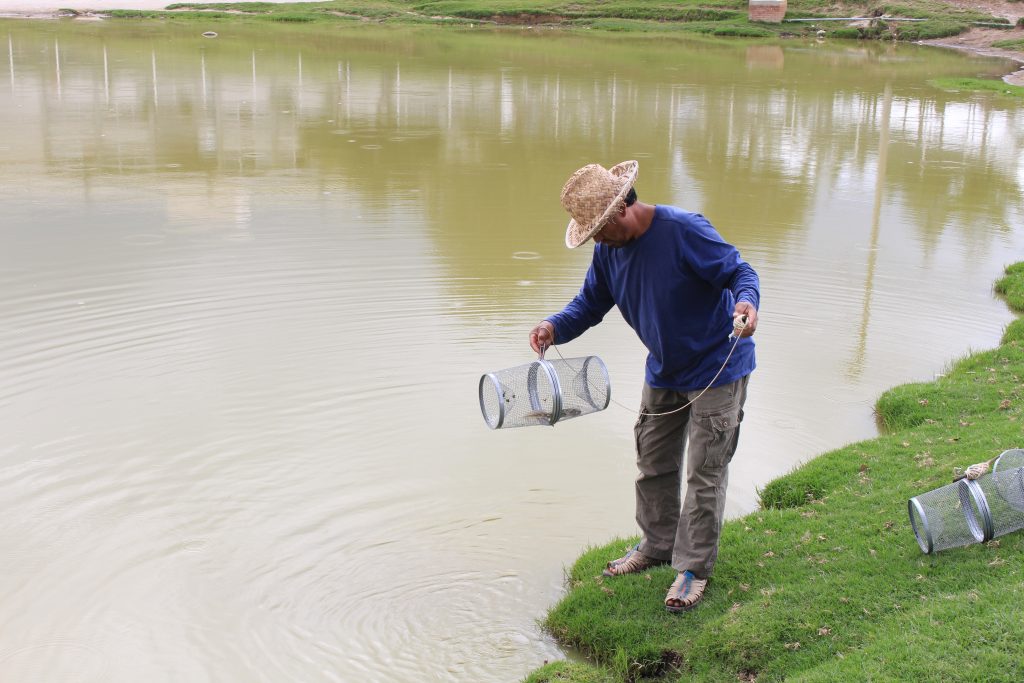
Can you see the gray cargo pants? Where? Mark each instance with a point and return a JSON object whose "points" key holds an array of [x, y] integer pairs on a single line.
{"points": [[708, 431]]}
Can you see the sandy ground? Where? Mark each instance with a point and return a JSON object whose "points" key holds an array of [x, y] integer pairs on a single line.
{"points": [[978, 40]]}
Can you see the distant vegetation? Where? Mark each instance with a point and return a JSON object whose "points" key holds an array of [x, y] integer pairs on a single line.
{"points": [[711, 17]]}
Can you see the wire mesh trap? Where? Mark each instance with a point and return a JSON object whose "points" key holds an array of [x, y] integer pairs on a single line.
{"points": [[1004, 491], [971, 510], [544, 392], [950, 516], [1008, 476]]}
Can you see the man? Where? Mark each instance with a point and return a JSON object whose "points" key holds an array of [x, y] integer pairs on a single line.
{"points": [[682, 289]]}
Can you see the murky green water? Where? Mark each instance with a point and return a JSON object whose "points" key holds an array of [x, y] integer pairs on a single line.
{"points": [[250, 283]]}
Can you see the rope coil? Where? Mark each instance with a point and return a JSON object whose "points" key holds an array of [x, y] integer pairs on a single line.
{"points": [[975, 471]]}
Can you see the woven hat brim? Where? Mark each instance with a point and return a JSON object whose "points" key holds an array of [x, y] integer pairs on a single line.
{"points": [[576, 235]]}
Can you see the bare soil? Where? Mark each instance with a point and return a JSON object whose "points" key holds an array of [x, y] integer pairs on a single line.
{"points": [[979, 39]]}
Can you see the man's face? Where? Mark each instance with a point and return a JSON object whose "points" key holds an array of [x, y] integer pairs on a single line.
{"points": [[613, 234]]}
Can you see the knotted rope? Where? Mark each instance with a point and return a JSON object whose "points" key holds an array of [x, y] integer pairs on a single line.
{"points": [[975, 471]]}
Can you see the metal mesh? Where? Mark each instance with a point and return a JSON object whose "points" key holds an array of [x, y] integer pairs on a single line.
{"points": [[1004, 502], [971, 511], [544, 392], [1008, 478], [950, 516]]}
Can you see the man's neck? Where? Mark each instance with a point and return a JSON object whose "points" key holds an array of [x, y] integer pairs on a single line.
{"points": [[643, 216]]}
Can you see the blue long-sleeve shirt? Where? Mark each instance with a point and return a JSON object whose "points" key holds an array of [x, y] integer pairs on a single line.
{"points": [[676, 285]]}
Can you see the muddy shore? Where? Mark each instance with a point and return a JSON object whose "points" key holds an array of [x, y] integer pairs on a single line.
{"points": [[979, 41]]}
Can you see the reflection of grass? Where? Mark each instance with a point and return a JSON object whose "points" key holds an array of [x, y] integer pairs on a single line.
{"points": [[736, 28], [826, 582], [978, 85]]}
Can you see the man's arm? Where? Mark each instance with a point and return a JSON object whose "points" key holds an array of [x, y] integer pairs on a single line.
{"points": [[585, 310], [746, 288], [720, 263]]}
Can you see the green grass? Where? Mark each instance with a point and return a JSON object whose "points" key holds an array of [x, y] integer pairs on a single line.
{"points": [[925, 10], [910, 9], [1012, 286], [883, 30], [928, 30], [979, 85], [568, 671], [726, 18], [1015, 44], [826, 582]]}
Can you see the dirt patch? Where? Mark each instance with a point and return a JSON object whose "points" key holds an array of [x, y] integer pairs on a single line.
{"points": [[997, 8], [979, 39]]}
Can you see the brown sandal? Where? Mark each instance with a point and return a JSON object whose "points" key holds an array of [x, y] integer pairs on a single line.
{"points": [[687, 590], [632, 562]]}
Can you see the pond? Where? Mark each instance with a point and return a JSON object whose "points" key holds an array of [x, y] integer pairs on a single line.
{"points": [[251, 282]]}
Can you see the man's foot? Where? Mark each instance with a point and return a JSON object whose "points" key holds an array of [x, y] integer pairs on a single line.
{"points": [[685, 593], [632, 562]]}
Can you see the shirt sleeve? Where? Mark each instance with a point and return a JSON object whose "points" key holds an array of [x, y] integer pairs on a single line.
{"points": [[586, 309], [718, 262]]}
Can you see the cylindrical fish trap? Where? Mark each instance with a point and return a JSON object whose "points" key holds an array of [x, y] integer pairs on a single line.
{"points": [[544, 392], [1004, 490], [1008, 478], [950, 516]]}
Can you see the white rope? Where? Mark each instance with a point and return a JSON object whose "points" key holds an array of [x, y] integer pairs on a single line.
{"points": [[739, 324], [975, 471]]}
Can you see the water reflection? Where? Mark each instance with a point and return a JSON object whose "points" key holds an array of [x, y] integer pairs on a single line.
{"points": [[250, 283], [856, 366], [770, 140]]}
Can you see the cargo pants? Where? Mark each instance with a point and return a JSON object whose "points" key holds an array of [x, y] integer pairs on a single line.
{"points": [[708, 431]]}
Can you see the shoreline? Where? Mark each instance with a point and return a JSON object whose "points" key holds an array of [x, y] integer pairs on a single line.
{"points": [[977, 41], [800, 574]]}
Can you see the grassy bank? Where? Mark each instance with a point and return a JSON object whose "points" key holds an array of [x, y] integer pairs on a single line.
{"points": [[826, 582], [1000, 88], [716, 17]]}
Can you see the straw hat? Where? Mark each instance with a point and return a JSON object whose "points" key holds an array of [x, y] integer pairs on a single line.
{"points": [[591, 195]]}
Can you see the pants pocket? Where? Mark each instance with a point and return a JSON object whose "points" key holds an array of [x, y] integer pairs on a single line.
{"points": [[638, 428], [716, 436]]}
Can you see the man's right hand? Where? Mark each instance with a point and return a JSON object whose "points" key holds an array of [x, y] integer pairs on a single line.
{"points": [[541, 337]]}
